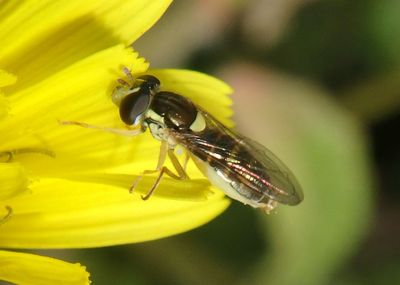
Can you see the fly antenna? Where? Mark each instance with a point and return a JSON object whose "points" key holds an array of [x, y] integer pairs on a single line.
{"points": [[129, 75]]}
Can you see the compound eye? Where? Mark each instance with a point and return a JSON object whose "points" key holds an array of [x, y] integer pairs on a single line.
{"points": [[133, 107]]}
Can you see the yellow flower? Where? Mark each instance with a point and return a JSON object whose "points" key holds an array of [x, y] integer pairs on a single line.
{"points": [[65, 186]]}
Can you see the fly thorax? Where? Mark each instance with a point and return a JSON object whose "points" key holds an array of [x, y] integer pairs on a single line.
{"points": [[179, 113]]}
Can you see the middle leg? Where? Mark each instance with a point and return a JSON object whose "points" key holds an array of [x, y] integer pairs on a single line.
{"points": [[164, 150]]}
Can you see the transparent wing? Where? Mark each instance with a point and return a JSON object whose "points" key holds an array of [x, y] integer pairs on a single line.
{"points": [[243, 159]]}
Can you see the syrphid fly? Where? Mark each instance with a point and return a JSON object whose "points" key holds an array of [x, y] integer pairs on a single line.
{"points": [[242, 168]]}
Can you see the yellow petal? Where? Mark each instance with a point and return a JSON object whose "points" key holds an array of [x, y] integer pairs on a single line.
{"points": [[90, 215], [13, 180], [68, 31], [82, 92], [3, 107], [80, 88], [6, 78], [130, 19], [24, 268]]}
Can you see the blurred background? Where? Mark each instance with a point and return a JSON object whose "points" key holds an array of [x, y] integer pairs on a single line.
{"points": [[318, 83]]}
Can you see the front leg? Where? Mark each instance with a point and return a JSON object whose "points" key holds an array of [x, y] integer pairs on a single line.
{"points": [[129, 132]]}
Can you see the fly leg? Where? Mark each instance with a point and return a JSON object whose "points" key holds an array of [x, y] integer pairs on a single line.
{"points": [[178, 167], [129, 132], [186, 160], [161, 159], [164, 150], [163, 170], [270, 206]]}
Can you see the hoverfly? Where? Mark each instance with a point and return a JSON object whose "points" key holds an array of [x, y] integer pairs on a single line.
{"points": [[242, 168]]}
